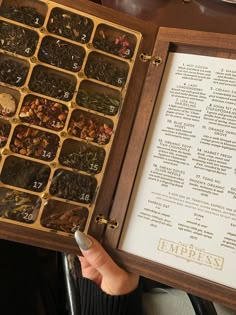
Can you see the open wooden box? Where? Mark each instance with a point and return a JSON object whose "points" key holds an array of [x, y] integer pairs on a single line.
{"points": [[77, 123]]}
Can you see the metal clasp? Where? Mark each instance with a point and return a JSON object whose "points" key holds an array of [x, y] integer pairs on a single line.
{"points": [[156, 60], [112, 223]]}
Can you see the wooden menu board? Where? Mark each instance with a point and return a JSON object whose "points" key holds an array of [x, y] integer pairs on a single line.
{"points": [[175, 199], [128, 139]]}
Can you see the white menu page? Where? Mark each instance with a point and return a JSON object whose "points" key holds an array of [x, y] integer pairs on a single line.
{"points": [[182, 211]]}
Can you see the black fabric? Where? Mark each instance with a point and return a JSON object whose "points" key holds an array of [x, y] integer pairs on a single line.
{"points": [[96, 302]]}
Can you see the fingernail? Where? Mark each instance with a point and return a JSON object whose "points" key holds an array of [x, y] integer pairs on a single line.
{"points": [[82, 240]]}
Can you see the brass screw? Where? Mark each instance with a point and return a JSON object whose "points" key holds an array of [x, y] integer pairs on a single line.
{"points": [[45, 195], [24, 90], [53, 164], [14, 120], [89, 45], [33, 59], [81, 74], [72, 104], [42, 29], [63, 134], [5, 151]]}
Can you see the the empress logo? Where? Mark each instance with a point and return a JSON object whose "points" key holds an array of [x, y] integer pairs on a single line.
{"points": [[191, 253]]}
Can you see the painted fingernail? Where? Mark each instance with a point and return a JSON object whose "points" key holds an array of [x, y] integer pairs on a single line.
{"points": [[82, 240]]}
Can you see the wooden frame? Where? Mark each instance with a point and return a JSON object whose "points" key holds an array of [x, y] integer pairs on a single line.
{"points": [[116, 188], [175, 40]]}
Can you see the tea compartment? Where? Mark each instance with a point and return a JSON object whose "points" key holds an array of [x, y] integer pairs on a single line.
{"points": [[31, 13], [62, 54], [19, 206], [73, 186], [106, 69], [82, 156], [65, 217], [52, 83], [114, 41], [100, 99], [9, 100], [17, 39], [70, 25], [61, 93], [34, 143], [90, 127], [43, 112], [24, 173], [13, 70]]}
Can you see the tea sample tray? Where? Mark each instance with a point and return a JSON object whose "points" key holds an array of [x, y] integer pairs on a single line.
{"points": [[64, 76]]}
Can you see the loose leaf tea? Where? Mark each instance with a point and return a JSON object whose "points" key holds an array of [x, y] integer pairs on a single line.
{"points": [[43, 112], [12, 71], [5, 128], [19, 206], [52, 83], [61, 54], [67, 219], [90, 127], [82, 156], [25, 174], [119, 46], [99, 102], [17, 39], [34, 143], [70, 25], [23, 14], [102, 69], [72, 186]]}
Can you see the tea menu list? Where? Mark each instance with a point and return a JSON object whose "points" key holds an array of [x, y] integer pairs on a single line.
{"points": [[184, 197]]}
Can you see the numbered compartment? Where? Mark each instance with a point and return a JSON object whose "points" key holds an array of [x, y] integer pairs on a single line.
{"points": [[62, 216], [82, 156], [70, 25], [90, 127], [25, 174], [9, 99], [114, 41], [42, 112], [17, 39], [34, 143], [106, 69], [5, 128], [31, 12], [52, 83], [73, 186], [18, 205], [98, 98], [62, 54], [13, 71]]}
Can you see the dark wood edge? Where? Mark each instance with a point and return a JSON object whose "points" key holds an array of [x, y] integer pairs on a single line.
{"points": [[198, 38], [38, 238], [170, 276], [136, 144], [108, 14], [198, 286]]}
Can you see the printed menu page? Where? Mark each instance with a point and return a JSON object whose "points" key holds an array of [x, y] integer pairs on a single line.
{"points": [[182, 211]]}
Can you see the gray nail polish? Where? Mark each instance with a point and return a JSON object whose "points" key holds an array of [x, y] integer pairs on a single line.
{"points": [[82, 240]]}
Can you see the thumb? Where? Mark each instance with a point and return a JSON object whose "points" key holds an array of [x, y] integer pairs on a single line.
{"points": [[96, 256]]}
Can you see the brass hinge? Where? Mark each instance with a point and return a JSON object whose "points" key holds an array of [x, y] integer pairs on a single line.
{"points": [[156, 60], [112, 223]]}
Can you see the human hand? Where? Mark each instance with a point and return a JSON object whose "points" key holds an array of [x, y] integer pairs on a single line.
{"points": [[98, 266]]}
